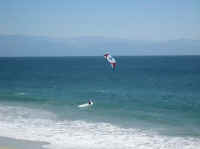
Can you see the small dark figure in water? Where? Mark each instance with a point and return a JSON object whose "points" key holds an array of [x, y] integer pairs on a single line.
{"points": [[89, 102]]}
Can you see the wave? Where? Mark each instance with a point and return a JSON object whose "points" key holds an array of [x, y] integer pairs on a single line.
{"points": [[40, 125]]}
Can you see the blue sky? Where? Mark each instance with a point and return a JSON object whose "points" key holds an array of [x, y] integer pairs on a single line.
{"points": [[134, 19]]}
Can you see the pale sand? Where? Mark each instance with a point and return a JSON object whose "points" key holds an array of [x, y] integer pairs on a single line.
{"points": [[8, 143]]}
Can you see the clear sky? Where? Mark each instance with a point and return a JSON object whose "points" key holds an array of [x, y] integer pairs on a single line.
{"points": [[128, 19]]}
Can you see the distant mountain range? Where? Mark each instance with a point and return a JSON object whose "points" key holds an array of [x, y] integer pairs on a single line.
{"points": [[18, 45]]}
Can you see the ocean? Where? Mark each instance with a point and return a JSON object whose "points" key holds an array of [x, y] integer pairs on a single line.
{"points": [[148, 102]]}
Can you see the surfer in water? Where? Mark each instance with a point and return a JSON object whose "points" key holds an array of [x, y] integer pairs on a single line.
{"points": [[90, 102]]}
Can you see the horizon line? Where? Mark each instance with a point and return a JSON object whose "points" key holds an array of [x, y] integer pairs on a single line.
{"points": [[172, 55]]}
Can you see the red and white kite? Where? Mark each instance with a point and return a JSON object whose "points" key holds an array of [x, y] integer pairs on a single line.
{"points": [[111, 60]]}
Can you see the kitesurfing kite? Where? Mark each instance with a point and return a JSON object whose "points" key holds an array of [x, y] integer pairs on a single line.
{"points": [[111, 60]]}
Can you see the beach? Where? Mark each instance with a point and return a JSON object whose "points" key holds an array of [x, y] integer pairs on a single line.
{"points": [[9, 143]]}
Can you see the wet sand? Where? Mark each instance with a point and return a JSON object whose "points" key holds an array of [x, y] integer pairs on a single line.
{"points": [[8, 143]]}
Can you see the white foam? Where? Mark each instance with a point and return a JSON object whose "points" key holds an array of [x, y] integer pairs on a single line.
{"points": [[80, 134], [21, 93]]}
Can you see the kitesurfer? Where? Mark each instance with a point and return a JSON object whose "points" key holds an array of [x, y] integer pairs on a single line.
{"points": [[89, 102]]}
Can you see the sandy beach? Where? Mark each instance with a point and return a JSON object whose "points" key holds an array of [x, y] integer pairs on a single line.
{"points": [[8, 143]]}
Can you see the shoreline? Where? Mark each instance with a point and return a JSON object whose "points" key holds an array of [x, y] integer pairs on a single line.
{"points": [[10, 143]]}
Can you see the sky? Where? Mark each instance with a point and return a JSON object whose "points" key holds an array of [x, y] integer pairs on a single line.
{"points": [[130, 19]]}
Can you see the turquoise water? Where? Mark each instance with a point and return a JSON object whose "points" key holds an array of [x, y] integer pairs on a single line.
{"points": [[158, 96]]}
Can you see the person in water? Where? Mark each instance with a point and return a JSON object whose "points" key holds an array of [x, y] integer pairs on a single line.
{"points": [[89, 102]]}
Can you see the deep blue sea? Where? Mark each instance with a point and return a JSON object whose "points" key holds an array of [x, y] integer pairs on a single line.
{"points": [[148, 102]]}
